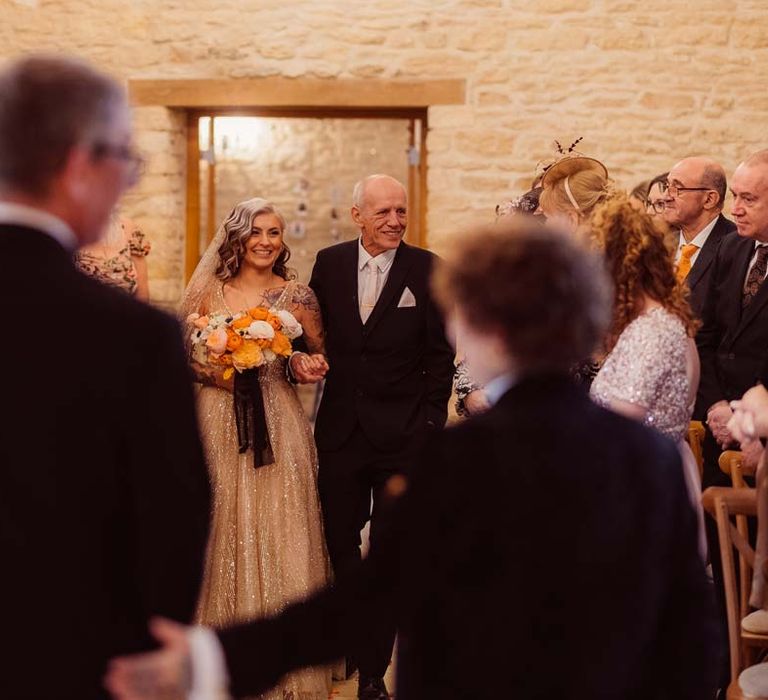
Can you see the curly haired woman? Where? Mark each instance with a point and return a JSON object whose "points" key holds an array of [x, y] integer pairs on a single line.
{"points": [[651, 366]]}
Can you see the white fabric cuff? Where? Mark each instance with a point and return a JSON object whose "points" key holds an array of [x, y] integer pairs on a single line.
{"points": [[209, 669]]}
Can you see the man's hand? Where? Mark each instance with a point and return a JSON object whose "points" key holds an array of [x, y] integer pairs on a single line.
{"points": [[164, 674], [308, 369], [717, 419]]}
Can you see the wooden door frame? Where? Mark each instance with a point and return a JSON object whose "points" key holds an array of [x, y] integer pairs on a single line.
{"points": [[298, 98]]}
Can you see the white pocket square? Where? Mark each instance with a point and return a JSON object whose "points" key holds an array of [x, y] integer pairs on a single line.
{"points": [[407, 299]]}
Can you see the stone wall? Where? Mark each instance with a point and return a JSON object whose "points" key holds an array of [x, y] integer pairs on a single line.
{"points": [[644, 83]]}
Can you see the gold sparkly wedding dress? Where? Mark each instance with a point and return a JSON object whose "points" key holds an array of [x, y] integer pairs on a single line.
{"points": [[266, 547]]}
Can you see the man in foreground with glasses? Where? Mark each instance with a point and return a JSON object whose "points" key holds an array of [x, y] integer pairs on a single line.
{"points": [[693, 197], [104, 488]]}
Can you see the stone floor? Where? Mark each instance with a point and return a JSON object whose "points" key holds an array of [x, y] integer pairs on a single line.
{"points": [[347, 690]]}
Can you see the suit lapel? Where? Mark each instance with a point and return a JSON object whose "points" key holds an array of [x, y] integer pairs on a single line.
{"points": [[400, 266], [707, 253], [348, 282]]}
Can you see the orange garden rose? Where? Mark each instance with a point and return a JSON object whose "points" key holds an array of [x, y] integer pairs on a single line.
{"points": [[258, 313], [234, 341], [274, 321], [242, 322], [280, 344], [248, 355]]}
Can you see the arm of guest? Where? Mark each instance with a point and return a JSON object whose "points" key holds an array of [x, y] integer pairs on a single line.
{"points": [[166, 480]]}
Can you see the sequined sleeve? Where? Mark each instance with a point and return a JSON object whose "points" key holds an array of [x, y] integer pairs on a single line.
{"points": [[647, 368], [463, 386], [138, 244]]}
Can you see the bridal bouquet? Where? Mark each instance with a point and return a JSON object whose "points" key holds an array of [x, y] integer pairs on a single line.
{"points": [[244, 341]]}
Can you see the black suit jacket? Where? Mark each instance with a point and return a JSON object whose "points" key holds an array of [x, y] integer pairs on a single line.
{"points": [[698, 279], [546, 549], [392, 374], [733, 345], [104, 498]]}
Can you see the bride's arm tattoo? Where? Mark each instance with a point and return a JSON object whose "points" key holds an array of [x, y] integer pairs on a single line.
{"points": [[307, 309]]}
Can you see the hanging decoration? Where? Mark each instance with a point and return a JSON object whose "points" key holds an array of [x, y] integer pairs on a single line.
{"points": [[298, 227]]}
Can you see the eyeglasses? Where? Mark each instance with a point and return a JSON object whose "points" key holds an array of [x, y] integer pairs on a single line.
{"points": [[135, 161], [656, 206], [675, 190]]}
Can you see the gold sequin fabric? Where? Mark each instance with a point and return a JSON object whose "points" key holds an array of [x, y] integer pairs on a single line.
{"points": [[649, 367], [266, 547]]}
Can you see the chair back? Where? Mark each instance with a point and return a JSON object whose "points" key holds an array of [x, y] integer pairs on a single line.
{"points": [[723, 503], [695, 439]]}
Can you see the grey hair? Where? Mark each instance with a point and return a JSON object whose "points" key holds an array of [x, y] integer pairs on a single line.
{"points": [[49, 105], [358, 191], [238, 228]]}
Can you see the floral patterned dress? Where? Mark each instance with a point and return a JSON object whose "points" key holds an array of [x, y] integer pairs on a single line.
{"points": [[117, 270]]}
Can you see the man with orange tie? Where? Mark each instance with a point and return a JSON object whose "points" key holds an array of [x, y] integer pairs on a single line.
{"points": [[693, 203]]}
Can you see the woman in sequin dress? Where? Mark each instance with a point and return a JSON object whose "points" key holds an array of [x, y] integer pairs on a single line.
{"points": [[119, 259], [651, 366], [266, 546]]}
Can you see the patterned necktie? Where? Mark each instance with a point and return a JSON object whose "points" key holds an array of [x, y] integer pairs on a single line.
{"points": [[370, 290], [755, 277], [684, 264]]}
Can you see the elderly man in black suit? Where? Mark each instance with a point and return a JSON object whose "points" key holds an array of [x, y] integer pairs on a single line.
{"points": [[389, 383], [105, 493], [544, 549], [694, 194], [733, 339]]}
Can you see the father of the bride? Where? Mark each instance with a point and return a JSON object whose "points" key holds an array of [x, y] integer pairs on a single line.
{"points": [[389, 382], [545, 549]]}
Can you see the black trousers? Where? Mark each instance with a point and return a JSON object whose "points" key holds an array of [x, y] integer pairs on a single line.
{"points": [[348, 478]]}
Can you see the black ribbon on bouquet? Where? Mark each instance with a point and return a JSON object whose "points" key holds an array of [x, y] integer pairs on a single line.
{"points": [[250, 418]]}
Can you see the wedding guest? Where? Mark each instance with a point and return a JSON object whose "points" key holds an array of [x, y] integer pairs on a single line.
{"points": [[266, 548], [573, 187], [105, 497], [650, 371], [655, 208], [693, 203], [612, 574], [118, 259], [733, 338], [387, 388], [655, 199]]}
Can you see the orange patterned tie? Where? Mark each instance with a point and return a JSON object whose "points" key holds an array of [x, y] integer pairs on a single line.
{"points": [[684, 264]]}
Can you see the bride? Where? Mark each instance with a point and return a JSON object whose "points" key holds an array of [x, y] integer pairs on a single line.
{"points": [[266, 546]]}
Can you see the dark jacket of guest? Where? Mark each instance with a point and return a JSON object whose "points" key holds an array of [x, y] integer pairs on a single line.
{"points": [[392, 374], [699, 277], [733, 344], [104, 499], [545, 549]]}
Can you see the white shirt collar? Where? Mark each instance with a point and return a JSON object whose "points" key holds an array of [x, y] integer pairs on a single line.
{"points": [[498, 386], [382, 260], [23, 215], [701, 237]]}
